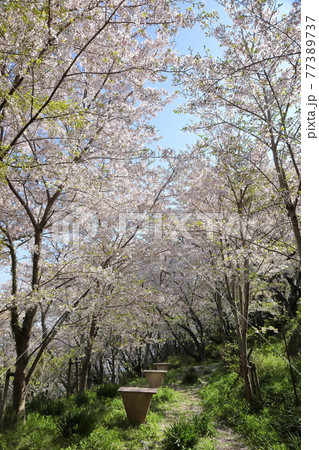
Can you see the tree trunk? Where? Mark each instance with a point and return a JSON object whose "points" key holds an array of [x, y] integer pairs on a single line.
{"points": [[19, 389], [113, 375], [218, 300], [68, 389], [243, 364], [146, 354], [85, 368], [5, 395], [101, 369], [22, 338], [240, 317], [87, 356]]}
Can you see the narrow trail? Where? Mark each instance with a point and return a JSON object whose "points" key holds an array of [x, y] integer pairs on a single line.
{"points": [[227, 439], [190, 405]]}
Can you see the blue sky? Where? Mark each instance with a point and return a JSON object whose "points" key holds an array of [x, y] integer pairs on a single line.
{"points": [[167, 122]]}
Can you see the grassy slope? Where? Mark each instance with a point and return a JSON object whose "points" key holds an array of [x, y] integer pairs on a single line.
{"points": [[104, 425], [47, 424]]}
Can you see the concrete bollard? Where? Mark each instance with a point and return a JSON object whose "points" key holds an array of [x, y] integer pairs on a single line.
{"points": [[162, 366], [136, 403], [155, 377]]}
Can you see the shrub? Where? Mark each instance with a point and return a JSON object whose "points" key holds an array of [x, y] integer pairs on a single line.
{"points": [[203, 424], [181, 435], [115, 414], [101, 439], [287, 420], [190, 377], [294, 442], [276, 426], [46, 406], [81, 399], [108, 390], [8, 419], [175, 361], [164, 394], [77, 421]]}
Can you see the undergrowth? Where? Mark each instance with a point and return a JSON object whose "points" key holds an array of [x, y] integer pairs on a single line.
{"points": [[188, 433], [94, 420], [97, 420], [276, 425]]}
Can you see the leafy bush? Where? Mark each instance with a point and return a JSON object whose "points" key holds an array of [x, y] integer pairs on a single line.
{"points": [[81, 399], [185, 434], [190, 377], [115, 415], [108, 390], [78, 421], [277, 424], [275, 378], [287, 420], [164, 394], [46, 406], [203, 424], [175, 361], [181, 435], [8, 419]]}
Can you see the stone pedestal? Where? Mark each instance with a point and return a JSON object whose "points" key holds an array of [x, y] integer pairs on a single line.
{"points": [[155, 377], [162, 366], [136, 403]]}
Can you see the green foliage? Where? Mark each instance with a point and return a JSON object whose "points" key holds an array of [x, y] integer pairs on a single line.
{"points": [[101, 439], [39, 432], [115, 415], [137, 382], [8, 419], [175, 361], [173, 375], [287, 422], [45, 406], [203, 424], [277, 424], [181, 435], [77, 421], [81, 399], [229, 353], [164, 394], [187, 433], [205, 443], [275, 377], [190, 376], [108, 390]]}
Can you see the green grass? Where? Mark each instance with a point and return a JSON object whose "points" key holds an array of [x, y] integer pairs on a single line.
{"points": [[97, 419], [277, 424], [189, 433], [164, 395], [39, 433], [90, 421]]}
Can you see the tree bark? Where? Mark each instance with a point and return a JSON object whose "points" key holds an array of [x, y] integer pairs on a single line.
{"points": [[22, 337], [87, 355], [241, 332]]}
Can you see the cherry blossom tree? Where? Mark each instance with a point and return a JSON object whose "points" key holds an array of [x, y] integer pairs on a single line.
{"points": [[249, 240], [254, 87], [110, 253], [247, 102], [76, 99]]}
